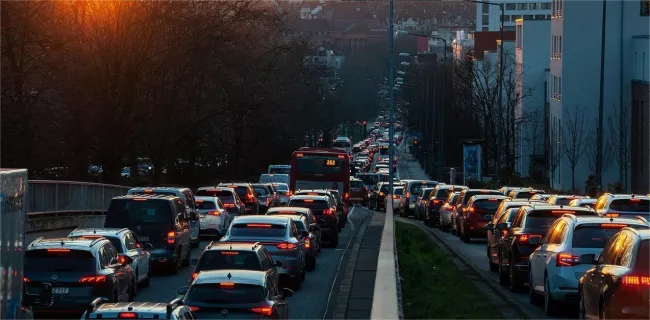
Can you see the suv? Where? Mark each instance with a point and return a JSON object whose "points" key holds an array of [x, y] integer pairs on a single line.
{"points": [[188, 199], [266, 196], [175, 310], [325, 212], [244, 293], [247, 194], [281, 238], [562, 200], [235, 256], [126, 242], [555, 269], [480, 210], [437, 199], [524, 193], [413, 188], [615, 205], [159, 220], [358, 192], [79, 270], [228, 196], [618, 284]]}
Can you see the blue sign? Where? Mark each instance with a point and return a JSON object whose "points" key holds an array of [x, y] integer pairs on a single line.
{"points": [[472, 162]]}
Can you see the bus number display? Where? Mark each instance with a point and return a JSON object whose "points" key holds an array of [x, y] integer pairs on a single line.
{"points": [[330, 163]]}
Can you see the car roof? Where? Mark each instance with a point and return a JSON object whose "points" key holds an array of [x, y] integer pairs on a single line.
{"points": [[260, 219], [65, 243], [150, 308], [289, 209], [604, 220], [488, 196], [148, 196], [313, 190], [236, 184], [644, 234], [307, 196], [176, 189], [237, 276], [239, 246], [547, 206], [481, 190], [291, 216], [451, 186], [98, 231], [222, 188]]}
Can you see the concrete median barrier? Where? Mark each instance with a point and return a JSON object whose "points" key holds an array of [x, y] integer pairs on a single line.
{"points": [[46, 222], [385, 301]]}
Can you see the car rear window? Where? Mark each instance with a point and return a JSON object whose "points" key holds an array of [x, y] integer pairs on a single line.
{"points": [[470, 194], [225, 196], [116, 243], [221, 294], [630, 205], [61, 260], [427, 192], [356, 184], [241, 191], [307, 203], [597, 235], [300, 224], [643, 260], [525, 194], [337, 196], [162, 193], [563, 201], [384, 187], [219, 260], [282, 187], [123, 212], [416, 187], [442, 193], [398, 191], [487, 204], [262, 230], [543, 219], [261, 191], [205, 204]]}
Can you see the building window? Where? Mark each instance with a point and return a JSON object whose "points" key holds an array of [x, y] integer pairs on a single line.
{"points": [[540, 17], [533, 6], [486, 19], [511, 6], [522, 6], [528, 17], [559, 46], [560, 4], [645, 7], [546, 6], [486, 8], [559, 86], [552, 47]]}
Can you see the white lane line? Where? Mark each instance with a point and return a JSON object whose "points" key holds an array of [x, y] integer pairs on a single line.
{"points": [[350, 220]]}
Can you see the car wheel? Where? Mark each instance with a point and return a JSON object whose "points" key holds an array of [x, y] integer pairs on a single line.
{"points": [[334, 241], [513, 278], [582, 312], [549, 303], [186, 261], [493, 266], [195, 244], [147, 280], [533, 297], [302, 274], [503, 277], [296, 283]]}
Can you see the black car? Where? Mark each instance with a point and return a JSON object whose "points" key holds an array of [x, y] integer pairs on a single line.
{"points": [[515, 246], [325, 212], [246, 194], [228, 196], [266, 197], [159, 220], [235, 256], [79, 271], [437, 199]]}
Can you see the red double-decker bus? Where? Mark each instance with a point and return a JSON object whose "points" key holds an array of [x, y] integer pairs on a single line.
{"points": [[321, 168]]}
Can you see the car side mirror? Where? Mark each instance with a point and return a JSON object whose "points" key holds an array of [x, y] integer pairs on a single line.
{"points": [[287, 293], [304, 234], [147, 246], [588, 258], [489, 227], [182, 291], [278, 263], [535, 241]]}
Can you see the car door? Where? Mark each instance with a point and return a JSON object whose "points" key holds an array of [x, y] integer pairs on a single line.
{"points": [[273, 270], [194, 224], [182, 227], [593, 279], [225, 216], [121, 275], [135, 251], [496, 235], [540, 256]]}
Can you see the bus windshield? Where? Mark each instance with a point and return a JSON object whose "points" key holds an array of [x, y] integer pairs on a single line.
{"points": [[341, 144], [319, 165]]}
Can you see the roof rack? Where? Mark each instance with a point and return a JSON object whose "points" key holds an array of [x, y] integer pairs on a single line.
{"points": [[570, 216], [209, 246], [642, 219], [39, 239], [256, 244], [93, 306], [171, 305]]}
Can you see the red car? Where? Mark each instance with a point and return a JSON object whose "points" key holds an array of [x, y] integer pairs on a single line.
{"points": [[358, 192]]}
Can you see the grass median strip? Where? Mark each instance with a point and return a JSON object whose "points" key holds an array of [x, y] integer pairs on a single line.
{"points": [[432, 285]]}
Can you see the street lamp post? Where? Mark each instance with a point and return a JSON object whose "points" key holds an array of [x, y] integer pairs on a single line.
{"points": [[501, 67], [391, 103], [442, 107]]}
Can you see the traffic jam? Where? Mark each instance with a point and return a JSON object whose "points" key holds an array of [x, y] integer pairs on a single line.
{"points": [[571, 254], [266, 238]]}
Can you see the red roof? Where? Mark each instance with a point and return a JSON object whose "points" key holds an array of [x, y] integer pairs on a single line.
{"points": [[487, 41]]}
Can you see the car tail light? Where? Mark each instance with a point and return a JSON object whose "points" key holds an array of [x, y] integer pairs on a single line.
{"points": [[229, 205], [250, 197], [381, 194], [408, 194], [437, 201], [194, 275], [268, 201], [214, 213], [307, 243], [290, 193], [471, 210], [227, 285], [523, 238], [566, 259], [347, 196], [286, 246], [636, 281], [93, 279], [26, 280], [194, 308], [266, 311], [395, 196], [327, 211], [128, 315], [171, 237]]}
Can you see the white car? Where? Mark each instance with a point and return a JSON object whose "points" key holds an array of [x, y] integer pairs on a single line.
{"points": [[554, 267], [213, 216], [283, 191], [127, 243], [398, 192]]}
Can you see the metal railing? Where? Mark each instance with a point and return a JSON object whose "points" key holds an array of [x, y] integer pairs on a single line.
{"points": [[54, 196]]}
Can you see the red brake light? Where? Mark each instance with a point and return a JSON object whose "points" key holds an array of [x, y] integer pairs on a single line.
{"points": [[58, 250], [229, 253], [408, 194], [139, 199], [636, 281], [340, 156], [128, 315], [436, 201], [286, 246], [194, 308], [611, 215], [227, 285], [381, 194], [562, 212], [566, 259], [194, 275], [266, 311], [171, 237], [257, 225], [347, 196], [471, 210], [26, 280], [307, 243], [93, 279], [327, 211], [299, 155], [523, 238], [229, 205], [612, 225], [635, 200], [308, 200], [214, 213]]}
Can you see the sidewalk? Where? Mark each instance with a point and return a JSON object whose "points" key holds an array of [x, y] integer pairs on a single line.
{"points": [[358, 284], [410, 169]]}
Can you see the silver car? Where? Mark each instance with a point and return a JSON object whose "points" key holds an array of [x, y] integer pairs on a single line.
{"points": [[398, 192], [280, 237], [213, 216], [446, 211]]}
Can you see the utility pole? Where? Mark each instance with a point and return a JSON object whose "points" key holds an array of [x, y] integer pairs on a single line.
{"points": [[599, 131], [391, 103]]}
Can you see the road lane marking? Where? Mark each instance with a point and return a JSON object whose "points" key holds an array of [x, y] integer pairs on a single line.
{"points": [[350, 215]]}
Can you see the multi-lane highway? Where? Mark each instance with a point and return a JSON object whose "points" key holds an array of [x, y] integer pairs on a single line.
{"points": [[311, 302]]}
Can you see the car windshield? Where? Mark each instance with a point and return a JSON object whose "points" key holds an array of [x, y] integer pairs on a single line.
{"points": [[59, 261], [525, 194], [356, 184], [205, 204], [300, 224], [224, 294], [470, 194], [416, 187], [259, 230], [261, 191], [543, 219], [122, 212], [219, 260], [368, 179], [563, 201], [487, 204], [384, 187], [630, 205], [308, 203], [442, 193], [597, 235]]}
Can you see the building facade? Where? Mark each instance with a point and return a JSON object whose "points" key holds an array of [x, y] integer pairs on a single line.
{"points": [[488, 17], [640, 121], [575, 79]]}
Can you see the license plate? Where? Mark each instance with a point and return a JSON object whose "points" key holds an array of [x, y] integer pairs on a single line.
{"points": [[60, 290], [143, 239]]}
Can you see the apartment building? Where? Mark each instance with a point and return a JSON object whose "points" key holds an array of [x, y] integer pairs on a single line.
{"points": [[488, 17]]}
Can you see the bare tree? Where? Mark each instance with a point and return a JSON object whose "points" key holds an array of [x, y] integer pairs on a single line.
{"points": [[554, 152], [620, 128], [591, 153], [575, 135]]}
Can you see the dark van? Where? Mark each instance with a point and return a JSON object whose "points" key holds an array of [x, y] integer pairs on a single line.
{"points": [[160, 220]]}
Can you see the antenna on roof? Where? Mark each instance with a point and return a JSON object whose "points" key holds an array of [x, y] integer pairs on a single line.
{"points": [[611, 219], [94, 231], [231, 246], [229, 276], [62, 243]]}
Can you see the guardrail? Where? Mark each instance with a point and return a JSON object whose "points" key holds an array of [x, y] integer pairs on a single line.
{"points": [[46, 197]]}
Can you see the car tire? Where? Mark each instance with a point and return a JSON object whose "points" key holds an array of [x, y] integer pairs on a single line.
{"points": [[503, 277], [514, 280], [302, 274], [334, 241], [533, 297], [550, 306], [582, 312], [147, 280], [296, 283], [186, 262], [195, 244], [175, 266]]}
